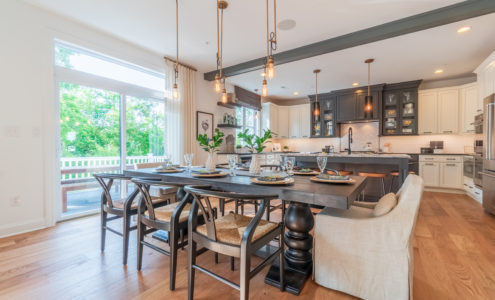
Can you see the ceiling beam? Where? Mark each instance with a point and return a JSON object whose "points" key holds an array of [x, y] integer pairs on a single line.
{"points": [[438, 17]]}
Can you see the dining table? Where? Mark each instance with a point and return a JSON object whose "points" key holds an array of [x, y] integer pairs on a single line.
{"points": [[299, 221]]}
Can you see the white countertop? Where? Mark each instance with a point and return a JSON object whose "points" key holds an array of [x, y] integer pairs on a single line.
{"points": [[359, 154]]}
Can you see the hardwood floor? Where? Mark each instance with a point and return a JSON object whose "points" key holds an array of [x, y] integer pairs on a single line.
{"points": [[454, 258]]}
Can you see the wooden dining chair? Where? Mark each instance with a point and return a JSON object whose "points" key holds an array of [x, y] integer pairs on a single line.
{"points": [[233, 235], [119, 208], [172, 218], [167, 192]]}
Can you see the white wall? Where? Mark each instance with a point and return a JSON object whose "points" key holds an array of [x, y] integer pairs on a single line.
{"points": [[28, 115]]}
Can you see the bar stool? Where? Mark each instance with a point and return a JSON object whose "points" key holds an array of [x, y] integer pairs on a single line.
{"points": [[395, 174], [379, 176], [233, 235]]}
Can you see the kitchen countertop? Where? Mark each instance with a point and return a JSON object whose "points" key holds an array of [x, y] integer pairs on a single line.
{"points": [[358, 154]]}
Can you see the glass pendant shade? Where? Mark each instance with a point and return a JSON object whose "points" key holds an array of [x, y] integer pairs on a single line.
{"points": [[225, 97], [316, 111], [218, 84], [368, 106], [175, 92], [264, 89]]}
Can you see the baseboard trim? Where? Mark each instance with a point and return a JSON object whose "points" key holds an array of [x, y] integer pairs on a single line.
{"points": [[22, 227], [445, 190]]}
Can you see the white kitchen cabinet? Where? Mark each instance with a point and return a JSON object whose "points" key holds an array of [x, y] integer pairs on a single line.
{"points": [[305, 120], [294, 121], [451, 175], [469, 107], [439, 111], [269, 117], [428, 110], [442, 171], [430, 172], [448, 111], [283, 121], [485, 79]]}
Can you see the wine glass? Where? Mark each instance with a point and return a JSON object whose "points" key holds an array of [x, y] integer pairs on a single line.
{"points": [[322, 163], [188, 158], [232, 159], [290, 162]]}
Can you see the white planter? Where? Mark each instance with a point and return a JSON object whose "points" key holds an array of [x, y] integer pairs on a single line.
{"points": [[255, 166], [211, 162]]}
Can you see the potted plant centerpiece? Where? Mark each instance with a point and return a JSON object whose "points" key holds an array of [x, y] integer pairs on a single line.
{"points": [[211, 146], [255, 145]]}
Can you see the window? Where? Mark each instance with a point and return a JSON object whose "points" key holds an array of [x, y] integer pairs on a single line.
{"points": [[248, 119], [112, 115]]}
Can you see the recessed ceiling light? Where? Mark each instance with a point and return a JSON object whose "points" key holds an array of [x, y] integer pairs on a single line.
{"points": [[287, 24], [463, 29], [438, 71], [355, 84], [296, 93]]}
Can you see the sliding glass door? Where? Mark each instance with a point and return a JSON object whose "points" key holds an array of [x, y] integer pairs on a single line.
{"points": [[111, 118]]}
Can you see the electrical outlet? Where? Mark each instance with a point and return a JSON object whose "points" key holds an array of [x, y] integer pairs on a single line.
{"points": [[15, 201], [12, 132]]}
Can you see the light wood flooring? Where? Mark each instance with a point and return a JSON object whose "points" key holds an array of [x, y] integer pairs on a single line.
{"points": [[454, 258]]}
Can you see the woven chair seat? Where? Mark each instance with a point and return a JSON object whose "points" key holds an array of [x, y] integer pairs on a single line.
{"points": [[231, 227], [164, 213], [120, 203]]}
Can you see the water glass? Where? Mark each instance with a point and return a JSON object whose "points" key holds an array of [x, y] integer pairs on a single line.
{"points": [[232, 159], [290, 162], [322, 163], [188, 158]]}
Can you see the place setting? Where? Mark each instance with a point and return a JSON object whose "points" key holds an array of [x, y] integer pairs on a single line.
{"points": [[322, 177], [168, 167]]}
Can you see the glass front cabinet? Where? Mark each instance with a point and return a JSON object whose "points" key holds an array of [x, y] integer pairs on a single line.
{"points": [[323, 125]]}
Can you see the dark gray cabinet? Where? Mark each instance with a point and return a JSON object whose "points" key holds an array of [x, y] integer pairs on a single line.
{"points": [[360, 105], [351, 103], [346, 107], [400, 109], [326, 126]]}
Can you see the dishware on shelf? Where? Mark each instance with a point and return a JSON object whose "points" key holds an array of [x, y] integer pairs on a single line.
{"points": [[232, 159], [322, 163], [188, 158]]}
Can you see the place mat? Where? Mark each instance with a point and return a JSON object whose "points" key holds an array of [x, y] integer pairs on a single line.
{"points": [[209, 175], [285, 181], [338, 181], [312, 172], [168, 170]]}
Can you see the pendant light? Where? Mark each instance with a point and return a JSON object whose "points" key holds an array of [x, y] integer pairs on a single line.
{"points": [[219, 78], [368, 100], [271, 45], [316, 111], [175, 91]]}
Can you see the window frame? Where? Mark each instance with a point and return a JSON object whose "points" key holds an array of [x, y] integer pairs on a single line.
{"points": [[257, 124]]}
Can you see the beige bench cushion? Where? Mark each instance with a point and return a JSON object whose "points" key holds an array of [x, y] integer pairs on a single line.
{"points": [[385, 205], [231, 227]]}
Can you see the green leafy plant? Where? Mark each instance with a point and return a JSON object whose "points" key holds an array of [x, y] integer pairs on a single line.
{"points": [[253, 142], [211, 145]]}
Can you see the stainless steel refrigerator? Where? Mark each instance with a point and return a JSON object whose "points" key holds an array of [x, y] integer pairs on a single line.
{"points": [[489, 154]]}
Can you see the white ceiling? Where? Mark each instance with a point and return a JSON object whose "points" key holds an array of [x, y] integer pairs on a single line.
{"points": [[151, 24]]}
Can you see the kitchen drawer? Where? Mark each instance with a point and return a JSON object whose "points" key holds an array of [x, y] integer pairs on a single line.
{"points": [[429, 158], [450, 158]]}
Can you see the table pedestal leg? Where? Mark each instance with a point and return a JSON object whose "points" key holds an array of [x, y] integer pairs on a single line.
{"points": [[298, 259]]}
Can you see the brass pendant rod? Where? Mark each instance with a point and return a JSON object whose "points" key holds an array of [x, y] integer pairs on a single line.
{"points": [[267, 31], [177, 39], [369, 66], [221, 43], [218, 38]]}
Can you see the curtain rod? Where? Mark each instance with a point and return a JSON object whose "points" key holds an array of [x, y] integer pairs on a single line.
{"points": [[184, 65]]}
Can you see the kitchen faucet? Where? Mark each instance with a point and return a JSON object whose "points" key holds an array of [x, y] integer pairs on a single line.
{"points": [[349, 136]]}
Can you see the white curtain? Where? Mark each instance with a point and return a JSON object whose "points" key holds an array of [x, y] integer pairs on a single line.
{"points": [[179, 113]]}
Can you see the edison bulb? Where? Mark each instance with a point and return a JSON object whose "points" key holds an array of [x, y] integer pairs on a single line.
{"points": [[175, 92], [264, 89], [218, 84], [224, 96], [270, 68]]}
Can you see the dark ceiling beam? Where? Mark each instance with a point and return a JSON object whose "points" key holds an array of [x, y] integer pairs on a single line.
{"points": [[438, 17]]}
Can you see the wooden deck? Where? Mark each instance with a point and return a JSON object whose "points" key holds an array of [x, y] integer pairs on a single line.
{"points": [[454, 252]]}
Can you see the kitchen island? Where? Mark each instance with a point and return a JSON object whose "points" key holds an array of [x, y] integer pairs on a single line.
{"points": [[358, 162]]}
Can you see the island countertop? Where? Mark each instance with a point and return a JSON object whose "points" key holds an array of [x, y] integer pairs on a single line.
{"points": [[355, 155]]}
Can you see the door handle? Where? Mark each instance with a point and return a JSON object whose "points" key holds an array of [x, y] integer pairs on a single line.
{"points": [[486, 174], [451, 165]]}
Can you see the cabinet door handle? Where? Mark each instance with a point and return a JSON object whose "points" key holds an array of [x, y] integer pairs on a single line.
{"points": [[428, 158], [477, 193], [427, 132], [447, 131], [429, 164], [451, 159], [486, 174], [451, 165]]}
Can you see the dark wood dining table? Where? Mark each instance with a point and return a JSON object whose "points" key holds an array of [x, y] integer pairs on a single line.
{"points": [[298, 218]]}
